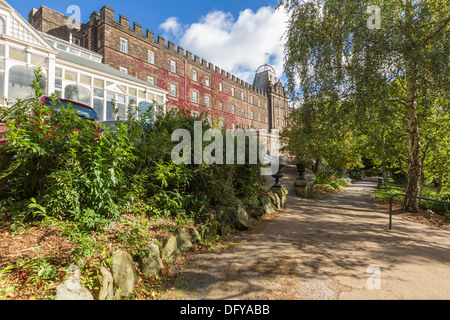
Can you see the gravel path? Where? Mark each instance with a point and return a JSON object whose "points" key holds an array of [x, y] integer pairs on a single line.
{"points": [[335, 247]]}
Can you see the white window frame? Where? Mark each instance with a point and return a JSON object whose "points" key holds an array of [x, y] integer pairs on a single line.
{"points": [[173, 90], [151, 57], [232, 92], [194, 75], [194, 97], [232, 109], [207, 101], [220, 86], [124, 45], [124, 70], [173, 66], [151, 80], [207, 83]]}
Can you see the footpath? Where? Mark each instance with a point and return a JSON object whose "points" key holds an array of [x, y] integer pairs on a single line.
{"points": [[335, 247]]}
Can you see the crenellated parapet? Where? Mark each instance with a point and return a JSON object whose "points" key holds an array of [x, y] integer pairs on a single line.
{"points": [[107, 16]]}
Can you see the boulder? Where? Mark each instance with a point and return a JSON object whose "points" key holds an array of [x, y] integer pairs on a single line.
{"points": [[184, 244], [259, 212], [275, 200], [150, 261], [170, 252], [225, 228], [242, 219], [195, 235], [71, 289], [267, 204], [123, 272], [282, 195], [105, 285]]}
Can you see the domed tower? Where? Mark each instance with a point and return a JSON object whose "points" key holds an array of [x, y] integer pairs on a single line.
{"points": [[265, 77]]}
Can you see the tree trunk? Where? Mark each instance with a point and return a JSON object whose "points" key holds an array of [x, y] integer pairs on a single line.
{"points": [[414, 150], [384, 172]]}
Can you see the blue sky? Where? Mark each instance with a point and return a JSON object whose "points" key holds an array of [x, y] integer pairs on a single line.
{"points": [[233, 35]]}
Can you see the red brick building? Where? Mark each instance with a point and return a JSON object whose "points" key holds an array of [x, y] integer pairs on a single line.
{"points": [[192, 82]]}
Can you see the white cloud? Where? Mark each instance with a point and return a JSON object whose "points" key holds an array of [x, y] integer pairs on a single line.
{"points": [[171, 27], [239, 46]]}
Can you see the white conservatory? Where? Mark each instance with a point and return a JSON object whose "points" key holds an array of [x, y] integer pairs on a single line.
{"points": [[69, 71]]}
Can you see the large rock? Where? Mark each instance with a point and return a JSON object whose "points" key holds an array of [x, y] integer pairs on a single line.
{"points": [[275, 200], [267, 204], [282, 195], [123, 272], [71, 289], [105, 285], [242, 219], [170, 252], [195, 235], [150, 262], [184, 244]]}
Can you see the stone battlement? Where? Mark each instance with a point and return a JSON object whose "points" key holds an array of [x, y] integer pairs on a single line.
{"points": [[123, 24]]}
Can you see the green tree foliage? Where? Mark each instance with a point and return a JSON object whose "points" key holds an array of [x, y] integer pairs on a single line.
{"points": [[332, 51]]}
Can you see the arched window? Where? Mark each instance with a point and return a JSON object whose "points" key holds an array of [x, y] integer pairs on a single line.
{"points": [[2, 26], [20, 79], [77, 94]]}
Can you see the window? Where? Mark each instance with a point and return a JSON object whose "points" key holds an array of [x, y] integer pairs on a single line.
{"points": [[251, 99], [151, 80], [221, 86], [267, 119], [75, 39], [99, 97], [282, 123], [194, 97], [232, 92], [194, 75], [278, 122], [243, 112], [123, 45], [277, 111], [233, 126], [18, 54], [207, 101], [259, 117], [259, 103], [151, 57], [242, 96], [84, 79], [251, 115], [232, 109], [221, 105], [2, 26], [173, 90], [265, 105], [78, 94], [39, 60], [173, 66], [207, 81], [20, 78], [124, 70], [70, 75], [143, 108]]}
